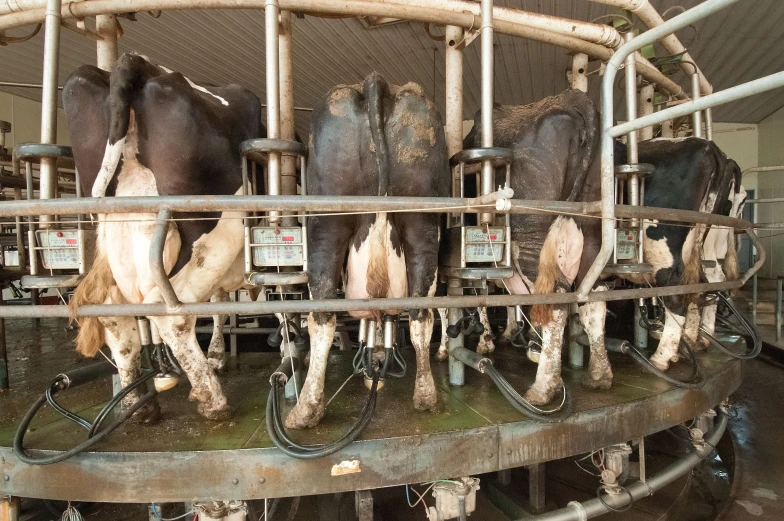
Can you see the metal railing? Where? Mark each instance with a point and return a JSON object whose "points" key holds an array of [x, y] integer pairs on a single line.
{"points": [[506, 21]]}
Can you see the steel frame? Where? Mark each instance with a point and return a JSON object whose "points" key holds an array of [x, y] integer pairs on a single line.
{"points": [[444, 12]]}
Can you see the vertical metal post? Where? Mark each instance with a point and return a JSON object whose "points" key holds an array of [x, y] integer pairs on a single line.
{"points": [[363, 504], [645, 108], [696, 117], [106, 47], [3, 350], [631, 115], [580, 72], [488, 172], [48, 171], [33, 257], [576, 350], [233, 328], [454, 89], [271, 17], [709, 124], [288, 164], [9, 508], [667, 131], [779, 282], [537, 479], [640, 333], [456, 367]]}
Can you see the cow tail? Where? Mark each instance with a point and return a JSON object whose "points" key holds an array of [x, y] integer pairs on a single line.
{"points": [[377, 285], [586, 151], [546, 278], [374, 87], [731, 268], [94, 289], [692, 272]]}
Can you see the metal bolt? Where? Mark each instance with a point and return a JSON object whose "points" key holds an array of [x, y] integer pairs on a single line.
{"points": [[489, 454], [508, 452], [6, 477], [262, 480], [235, 481]]}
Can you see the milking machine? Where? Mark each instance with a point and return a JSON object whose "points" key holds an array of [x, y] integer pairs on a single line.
{"points": [[365, 362], [158, 366], [64, 248]]}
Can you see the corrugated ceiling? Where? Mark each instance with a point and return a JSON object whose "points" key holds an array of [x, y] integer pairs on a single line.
{"points": [[224, 46]]}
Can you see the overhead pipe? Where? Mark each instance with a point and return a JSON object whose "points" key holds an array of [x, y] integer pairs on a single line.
{"points": [[652, 19], [608, 131], [444, 13]]}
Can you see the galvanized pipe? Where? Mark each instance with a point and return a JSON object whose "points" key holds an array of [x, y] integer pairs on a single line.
{"points": [[766, 83], [696, 117], [271, 15], [344, 305], [647, 93], [580, 72], [288, 164], [453, 47], [633, 185], [709, 124], [607, 156], [652, 19], [575, 511], [106, 28], [48, 169], [159, 275], [488, 172], [443, 13], [779, 288]]}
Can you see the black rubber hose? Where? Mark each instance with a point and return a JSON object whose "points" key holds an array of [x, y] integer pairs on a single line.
{"points": [[19, 450], [65, 412], [278, 435], [523, 405], [695, 381], [747, 325], [116, 399]]}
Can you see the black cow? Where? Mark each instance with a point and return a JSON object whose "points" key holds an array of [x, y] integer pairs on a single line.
{"points": [[144, 130], [556, 146], [373, 139]]}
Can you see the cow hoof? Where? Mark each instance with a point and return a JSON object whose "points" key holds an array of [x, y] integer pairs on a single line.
{"points": [[442, 354], [542, 395], [305, 415], [148, 414], [223, 412], [425, 394], [661, 365], [485, 348], [701, 344], [603, 383], [505, 340], [217, 361]]}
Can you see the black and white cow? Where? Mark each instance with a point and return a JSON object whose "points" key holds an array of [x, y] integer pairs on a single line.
{"points": [[144, 131], [373, 139], [556, 147]]}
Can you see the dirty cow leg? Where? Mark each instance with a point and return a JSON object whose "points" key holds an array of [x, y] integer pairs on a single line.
{"points": [[421, 327], [216, 353], [511, 326], [122, 337], [443, 349], [671, 337], [691, 329], [485, 345], [708, 323], [548, 375], [179, 333], [592, 317], [310, 407]]}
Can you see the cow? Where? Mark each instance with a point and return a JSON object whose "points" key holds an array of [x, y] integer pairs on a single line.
{"points": [[556, 157], [368, 139], [143, 130]]}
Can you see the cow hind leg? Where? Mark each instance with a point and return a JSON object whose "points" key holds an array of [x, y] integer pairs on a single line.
{"points": [[443, 348], [671, 337], [511, 328], [691, 328], [485, 345], [122, 337], [548, 374], [216, 352], [592, 317], [421, 326]]}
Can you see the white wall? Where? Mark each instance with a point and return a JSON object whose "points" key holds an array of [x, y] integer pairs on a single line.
{"points": [[771, 184], [25, 118], [740, 141]]}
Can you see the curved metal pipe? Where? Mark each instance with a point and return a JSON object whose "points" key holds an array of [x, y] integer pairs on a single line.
{"points": [[157, 268], [581, 511]]}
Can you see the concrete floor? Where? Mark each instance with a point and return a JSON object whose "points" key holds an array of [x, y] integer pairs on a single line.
{"points": [[759, 440]]}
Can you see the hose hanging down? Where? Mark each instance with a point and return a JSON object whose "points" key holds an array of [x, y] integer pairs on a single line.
{"points": [[751, 330]]}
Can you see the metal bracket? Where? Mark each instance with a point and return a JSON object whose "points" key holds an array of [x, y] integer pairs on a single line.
{"points": [[363, 503]]}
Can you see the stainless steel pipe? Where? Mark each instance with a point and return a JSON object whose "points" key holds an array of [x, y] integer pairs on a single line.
{"points": [[48, 169], [271, 18], [106, 28], [288, 164], [647, 92], [608, 131], [696, 117], [488, 172]]}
